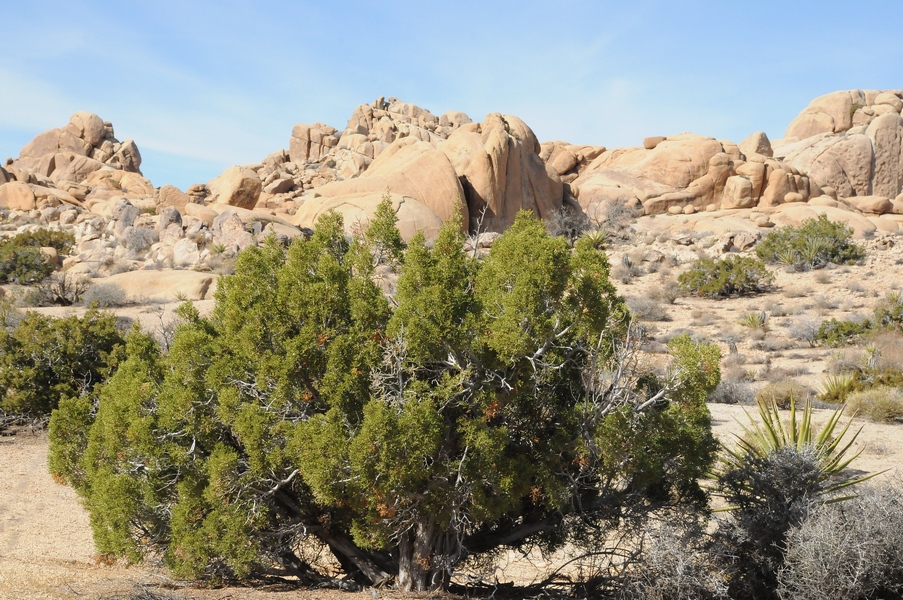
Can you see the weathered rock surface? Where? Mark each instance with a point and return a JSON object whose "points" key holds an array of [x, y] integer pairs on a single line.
{"points": [[500, 167]]}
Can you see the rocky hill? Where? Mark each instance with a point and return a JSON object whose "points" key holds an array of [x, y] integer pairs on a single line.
{"points": [[842, 156]]}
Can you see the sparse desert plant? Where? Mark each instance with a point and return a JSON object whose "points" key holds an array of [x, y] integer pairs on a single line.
{"points": [[811, 245], [879, 403], [62, 289], [721, 278], [783, 393], [735, 391], [836, 387], [646, 308], [852, 550], [805, 330], [104, 295], [755, 321], [674, 565], [667, 291]]}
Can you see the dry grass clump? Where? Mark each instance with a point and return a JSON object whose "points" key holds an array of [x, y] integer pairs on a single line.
{"points": [[646, 308], [881, 403], [782, 392]]}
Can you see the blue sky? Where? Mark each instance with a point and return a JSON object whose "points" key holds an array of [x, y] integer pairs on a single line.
{"points": [[200, 86]]}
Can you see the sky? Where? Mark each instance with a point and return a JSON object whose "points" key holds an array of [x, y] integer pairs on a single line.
{"points": [[204, 85]]}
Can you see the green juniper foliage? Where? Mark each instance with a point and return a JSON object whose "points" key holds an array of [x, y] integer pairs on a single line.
{"points": [[492, 403], [21, 259], [811, 245], [43, 360], [721, 278]]}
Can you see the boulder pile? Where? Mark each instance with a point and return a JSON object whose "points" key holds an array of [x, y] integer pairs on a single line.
{"points": [[842, 156]]}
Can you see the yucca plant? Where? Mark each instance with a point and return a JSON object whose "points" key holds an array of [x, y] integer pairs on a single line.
{"points": [[771, 478], [755, 320], [770, 435], [836, 388]]}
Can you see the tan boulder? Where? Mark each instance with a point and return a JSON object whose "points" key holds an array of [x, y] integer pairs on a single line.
{"points": [[408, 167], [200, 212], [876, 205], [357, 210], [164, 286], [90, 127], [886, 133], [897, 205], [650, 143], [793, 197], [757, 143], [236, 186], [831, 113], [738, 193], [311, 142], [842, 162], [170, 195], [17, 195], [127, 157], [499, 164], [890, 99]]}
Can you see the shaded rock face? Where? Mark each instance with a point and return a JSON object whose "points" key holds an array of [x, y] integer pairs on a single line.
{"points": [[501, 171]]}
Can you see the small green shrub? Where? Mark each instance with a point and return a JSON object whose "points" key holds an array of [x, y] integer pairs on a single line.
{"points": [[732, 276], [841, 333], [755, 320], [837, 388], [21, 259], [811, 245], [43, 360], [881, 403]]}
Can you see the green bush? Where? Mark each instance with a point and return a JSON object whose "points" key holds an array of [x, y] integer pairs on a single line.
{"points": [[489, 408], [836, 389], [841, 333], [21, 259], [732, 276], [811, 245], [43, 360]]}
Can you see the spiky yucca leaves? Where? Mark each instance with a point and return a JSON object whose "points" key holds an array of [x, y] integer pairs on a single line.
{"points": [[826, 446]]}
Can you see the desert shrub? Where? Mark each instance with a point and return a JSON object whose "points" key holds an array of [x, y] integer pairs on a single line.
{"points": [[104, 295], [837, 388], [43, 238], [732, 276], [647, 308], [62, 289], [851, 550], [805, 330], [43, 360], [771, 479], [495, 405], [783, 392], [880, 403], [674, 565], [841, 333], [21, 259], [382, 235], [811, 245], [732, 392], [755, 320]]}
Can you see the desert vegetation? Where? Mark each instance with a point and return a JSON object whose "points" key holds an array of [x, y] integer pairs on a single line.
{"points": [[317, 429]]}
